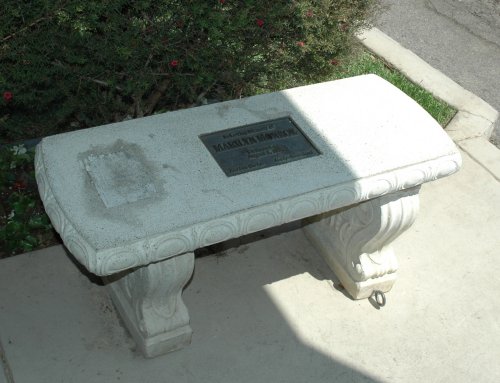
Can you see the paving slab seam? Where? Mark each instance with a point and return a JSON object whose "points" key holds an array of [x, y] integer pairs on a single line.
{"points": [[475, 120], [5, 365]]}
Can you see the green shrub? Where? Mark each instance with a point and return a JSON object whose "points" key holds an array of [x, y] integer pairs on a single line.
{"points": [[23, 224], [72, 64]]}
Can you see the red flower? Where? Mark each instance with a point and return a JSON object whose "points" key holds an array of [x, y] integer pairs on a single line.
{"points": [[260, 22], [222, 1], [309, 13], [334, 62], [174, 63], [20, 185], [300, 43], [7, 96]]}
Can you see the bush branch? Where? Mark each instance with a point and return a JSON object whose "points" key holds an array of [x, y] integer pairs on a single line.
{"points": [[94, 80], [155, 96]]}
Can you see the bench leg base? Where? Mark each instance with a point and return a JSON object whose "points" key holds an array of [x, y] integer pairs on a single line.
{"points": [[149, 301], [355, 242]]}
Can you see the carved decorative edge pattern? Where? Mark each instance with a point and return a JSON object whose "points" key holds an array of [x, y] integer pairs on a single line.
{"points": [[159, 247], [153, 293], [149, 300], [358, 237], [76, 244]]}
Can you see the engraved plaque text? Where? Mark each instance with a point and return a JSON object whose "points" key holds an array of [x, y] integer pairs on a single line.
{"points": [[257, 146]]}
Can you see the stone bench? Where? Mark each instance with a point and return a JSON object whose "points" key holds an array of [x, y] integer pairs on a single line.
{"points": [[133, 200]]}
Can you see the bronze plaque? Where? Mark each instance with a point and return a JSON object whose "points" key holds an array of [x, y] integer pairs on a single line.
{"points": [[257, 146]]}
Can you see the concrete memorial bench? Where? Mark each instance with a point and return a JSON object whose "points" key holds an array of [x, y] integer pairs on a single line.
{"points": [[133, 200]]}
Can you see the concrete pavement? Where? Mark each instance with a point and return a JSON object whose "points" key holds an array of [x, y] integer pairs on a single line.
{"points": [[459, 38], [270, 311]]}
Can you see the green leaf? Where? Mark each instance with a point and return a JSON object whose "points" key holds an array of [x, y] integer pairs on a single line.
{"points": [[20, 207], [31, 239], [13, 228], [26, 246], [36, 222]]}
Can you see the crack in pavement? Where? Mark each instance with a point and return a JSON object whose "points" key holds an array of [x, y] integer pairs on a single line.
{"points": [[430, 5], [5, 365]]}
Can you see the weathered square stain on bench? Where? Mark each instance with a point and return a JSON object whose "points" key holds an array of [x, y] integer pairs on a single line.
{"points": [[120, 174]]}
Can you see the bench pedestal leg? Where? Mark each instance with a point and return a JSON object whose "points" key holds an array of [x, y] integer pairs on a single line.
{"points": [[149, 301], [355, 241]]}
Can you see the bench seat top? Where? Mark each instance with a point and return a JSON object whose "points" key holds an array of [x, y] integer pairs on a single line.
{"points": [[139, 191]]}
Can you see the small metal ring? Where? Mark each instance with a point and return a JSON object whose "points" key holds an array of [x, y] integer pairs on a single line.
{"points": [[379, 297]]}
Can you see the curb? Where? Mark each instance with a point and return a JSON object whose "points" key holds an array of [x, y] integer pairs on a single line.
{"points": [[475, 120]]}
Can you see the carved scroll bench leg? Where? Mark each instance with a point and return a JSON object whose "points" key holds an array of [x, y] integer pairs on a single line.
{"points": [[355, 241], [149, 301]]}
